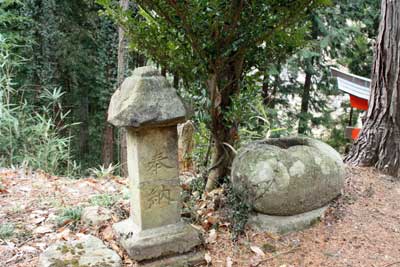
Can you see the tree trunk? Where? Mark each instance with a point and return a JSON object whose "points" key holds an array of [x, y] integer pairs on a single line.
{"points": [[84, 126], [176, 82], [305, 99], [185, 146], [266, 95], [164, 71], [120, 78], [379, 141], [140, 60], [107, 151], [222, 86]]}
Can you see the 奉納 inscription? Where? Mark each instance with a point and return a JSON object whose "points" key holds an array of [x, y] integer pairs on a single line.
{"points": [[157, 195], [157, 161]]}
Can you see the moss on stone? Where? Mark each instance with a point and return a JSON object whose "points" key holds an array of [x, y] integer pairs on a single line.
{"points": [[79, 246], [67, 263], [268, 248], [64, 249]]}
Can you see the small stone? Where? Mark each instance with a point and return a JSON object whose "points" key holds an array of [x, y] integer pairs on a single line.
{"points": [[44, 229], [28, 249], [95, 215], [87, 251]]}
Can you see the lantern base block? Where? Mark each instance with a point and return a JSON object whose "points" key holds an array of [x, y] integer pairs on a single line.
{"points": [[156, 243]]}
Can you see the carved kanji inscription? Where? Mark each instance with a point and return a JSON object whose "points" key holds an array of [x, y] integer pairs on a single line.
{"points": [[157, 195], [158, 161]]}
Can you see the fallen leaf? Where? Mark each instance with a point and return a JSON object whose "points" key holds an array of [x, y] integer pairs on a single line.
{"points": [[255, 261], [212, 237], [257, 250], [206, 225], [185, 187], [84, 230], [229, 262], [273, 236], [207, 257], [41, 212], [3, 191], [43, 230], [224, 224], [117, 249], [38, 220], [213, 219], [66, 222], [64, 235], [28, 249], [198, 227], [108, 233]]}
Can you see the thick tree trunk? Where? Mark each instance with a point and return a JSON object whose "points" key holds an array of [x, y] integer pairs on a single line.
{"points": [[305, 99], [379, 141], [222, 87]]}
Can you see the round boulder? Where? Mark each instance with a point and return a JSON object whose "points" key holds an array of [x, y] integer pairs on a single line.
{"points": [[288, 176]]}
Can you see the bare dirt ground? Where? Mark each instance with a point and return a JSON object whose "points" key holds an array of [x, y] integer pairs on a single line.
{"points": [[362, 227]]}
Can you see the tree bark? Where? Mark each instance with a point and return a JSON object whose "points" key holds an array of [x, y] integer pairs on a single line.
{"points": [[222, 86], [379, 141], [120, 78], [84, 125], [305, 99], [107, 150]]}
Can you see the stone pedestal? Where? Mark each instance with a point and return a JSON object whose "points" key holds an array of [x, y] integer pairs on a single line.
{"points": [[154, 234], [167, 241], [155, 228], [285, 224]]}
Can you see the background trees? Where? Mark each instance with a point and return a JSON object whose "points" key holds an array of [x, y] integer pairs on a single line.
{"points": [[378, 144], [242, 67], [64, 45]]}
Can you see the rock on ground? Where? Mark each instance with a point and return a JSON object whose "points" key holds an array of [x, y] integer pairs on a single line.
{"points": [[89, 251], [95, 215]]}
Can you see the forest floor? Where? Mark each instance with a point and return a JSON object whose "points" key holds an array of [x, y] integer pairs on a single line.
{"points": [[361, 228]]}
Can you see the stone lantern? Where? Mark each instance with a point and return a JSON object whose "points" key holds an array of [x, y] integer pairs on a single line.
{"points": [[150, 109]]}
